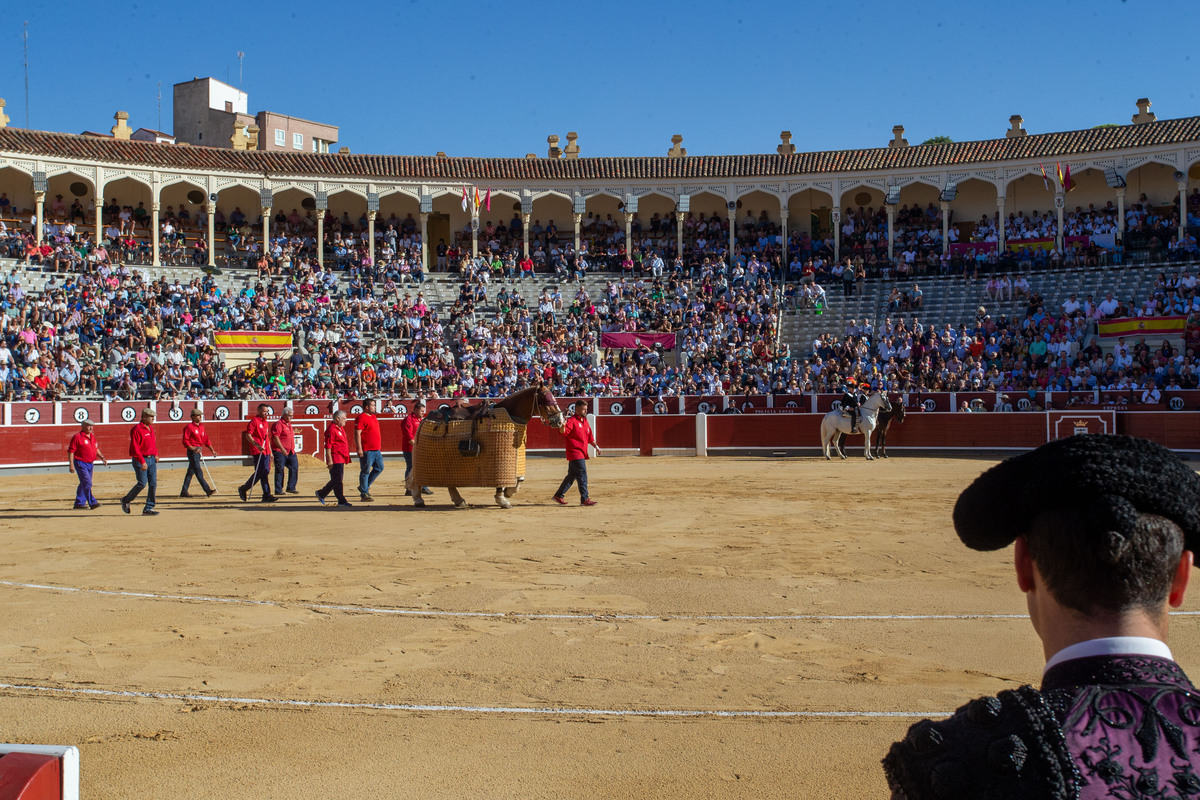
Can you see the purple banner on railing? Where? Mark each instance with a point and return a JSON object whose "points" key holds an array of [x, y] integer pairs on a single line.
{"points": [[635, 339]]}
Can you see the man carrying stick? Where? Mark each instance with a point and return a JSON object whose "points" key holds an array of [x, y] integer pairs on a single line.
{"points": [[337, 456], [258, 438], [195, 437], [143, 451], [81, 454], [283, 451], [579, 435]]}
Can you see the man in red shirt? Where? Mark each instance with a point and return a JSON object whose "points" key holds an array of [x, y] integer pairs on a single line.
{"points": [[143, 451], [579, 435], [258, 439], [195, 437], [337, 456], [283, 451], [369, 444], [409, 426], [81, 454]]}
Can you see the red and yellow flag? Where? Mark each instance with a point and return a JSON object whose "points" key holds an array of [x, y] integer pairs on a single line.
{"points": [[252, 340], [1142, 326], [1060, 172]]}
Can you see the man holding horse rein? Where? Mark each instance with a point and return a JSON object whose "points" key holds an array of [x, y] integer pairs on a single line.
{"points": [[578, 434]]}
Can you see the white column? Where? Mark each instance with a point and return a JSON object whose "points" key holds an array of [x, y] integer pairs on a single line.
{"points": [[1059, 202], [835, 219], [210, 210], [321, 237], [371, 236], [99, 218], [578, 224], [39, 203], [425, 266], [891, 214], [783, 229], [266, 215], [1000, 223], [1182, 208], [679, 215], [945, 227], [1121, 214], [154, 242], [732, 232], [475, 233], [628, 234], [525, 232]]}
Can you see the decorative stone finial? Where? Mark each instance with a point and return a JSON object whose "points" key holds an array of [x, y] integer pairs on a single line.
{"points": [[252, 137], [1143, 114], [676, 151], [121, 130], [239, 139], [785, 148], [3, 116], [898, 140], [440, 154], [1016, 120], [554, 151], [572, 148], [343, 151]]}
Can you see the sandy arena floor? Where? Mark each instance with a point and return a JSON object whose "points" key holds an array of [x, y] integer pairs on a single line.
{"points": [[679, 592]]}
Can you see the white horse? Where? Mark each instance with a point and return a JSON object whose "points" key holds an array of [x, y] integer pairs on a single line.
{"points": [[838, 421]]}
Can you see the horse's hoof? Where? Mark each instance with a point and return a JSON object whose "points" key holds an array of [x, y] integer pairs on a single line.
{"points": [[461, 504], [418, 503], [503, 502], [884, 455], [843, 457], [827, 458]]}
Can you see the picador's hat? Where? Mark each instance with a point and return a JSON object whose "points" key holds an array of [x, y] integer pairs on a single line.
{"points": [[1112, 478]]}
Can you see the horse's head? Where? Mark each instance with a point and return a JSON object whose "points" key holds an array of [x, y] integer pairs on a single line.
{"points": [[547, 407]]}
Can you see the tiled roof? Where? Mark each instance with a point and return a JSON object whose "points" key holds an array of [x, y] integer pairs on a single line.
{"points": [[398, 168]]}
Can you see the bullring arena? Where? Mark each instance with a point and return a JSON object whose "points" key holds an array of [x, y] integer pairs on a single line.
{"points": [[735, 626], [737, 617]]}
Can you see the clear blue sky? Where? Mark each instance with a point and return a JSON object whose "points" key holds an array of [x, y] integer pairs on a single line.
{"points": [[495, 78]]}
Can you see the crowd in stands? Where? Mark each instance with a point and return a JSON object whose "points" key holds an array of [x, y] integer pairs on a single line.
{"points": [[364, 327]]}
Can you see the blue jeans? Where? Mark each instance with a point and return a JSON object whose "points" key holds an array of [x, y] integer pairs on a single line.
{"points": [[576, 473], [195, 469], [262, 472], [369, 468], [145, 477], [292, 464]]}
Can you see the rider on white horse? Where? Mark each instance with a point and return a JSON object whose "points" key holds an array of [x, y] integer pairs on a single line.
{"points": [[852, 398]]}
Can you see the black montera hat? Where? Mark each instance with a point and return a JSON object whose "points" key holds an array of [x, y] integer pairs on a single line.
{"points": [[1114, 477]]}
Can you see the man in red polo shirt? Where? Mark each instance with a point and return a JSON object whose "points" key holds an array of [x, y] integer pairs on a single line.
{"points": [[81, 454], [258, 439], [408, 438], [579, 435], [143, 451], [194, 438], [337, 456], [369, 444], [283, 452]]}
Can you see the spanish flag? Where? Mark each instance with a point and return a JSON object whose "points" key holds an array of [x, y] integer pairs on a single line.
{"points": [[1061, 182], [252, 340], [1167, 327], [478, 199]]}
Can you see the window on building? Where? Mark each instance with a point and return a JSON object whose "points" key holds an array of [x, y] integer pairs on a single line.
{"points": [[298, 141], [280, 138]]}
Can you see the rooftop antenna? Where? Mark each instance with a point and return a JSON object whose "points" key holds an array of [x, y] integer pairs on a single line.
{"points": [[25, 38], [160, 105], [241, 55]]}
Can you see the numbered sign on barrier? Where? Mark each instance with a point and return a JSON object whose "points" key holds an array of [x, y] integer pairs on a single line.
{"points": [[174, 412], [33, 413], [223, 410], [617, 406], [703, 404], [660, 405], [126, 411], [312, 408], [747, 403], [75, 413]]}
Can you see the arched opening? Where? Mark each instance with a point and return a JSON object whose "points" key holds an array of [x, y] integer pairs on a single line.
{"points": [[705, 228], [1151, 209], [293, 212], [1030, 211], [654, 225], [500, 226], [757, 220], [449, 230], [182, 202], [863, 228], [238, 225], [16, 187], [809, 222], [78, 199], [918, 227], [398, 227], [553, 224]]}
